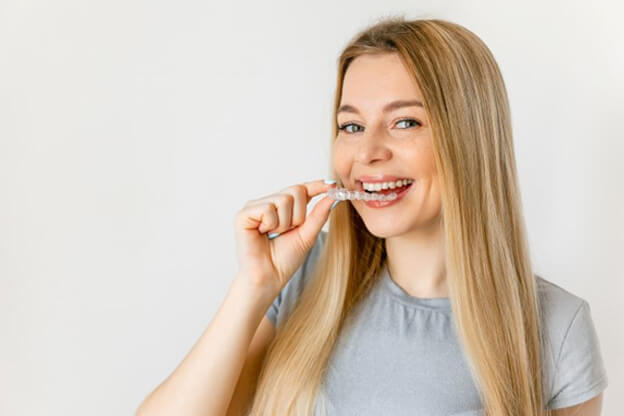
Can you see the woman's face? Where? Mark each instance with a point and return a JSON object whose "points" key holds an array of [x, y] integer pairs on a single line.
{"points": [[395, 141]]}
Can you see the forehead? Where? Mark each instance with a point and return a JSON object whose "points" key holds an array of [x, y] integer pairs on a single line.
{"points": [[373, 80]]}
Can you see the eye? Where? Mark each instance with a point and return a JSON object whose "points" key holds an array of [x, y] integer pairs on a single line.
{"points": [[344, 127], [409, 119]]}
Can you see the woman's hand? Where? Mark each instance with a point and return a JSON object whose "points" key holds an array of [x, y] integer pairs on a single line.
{"points": [[269, 264]]}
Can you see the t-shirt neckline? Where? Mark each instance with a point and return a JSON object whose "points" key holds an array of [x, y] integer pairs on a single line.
{"points": [[398, 293]]}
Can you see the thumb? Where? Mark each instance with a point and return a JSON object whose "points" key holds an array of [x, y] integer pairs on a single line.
{"points": [[310, 229]]}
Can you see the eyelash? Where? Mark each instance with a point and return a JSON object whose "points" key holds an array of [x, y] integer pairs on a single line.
{"points": [[344, 126]]}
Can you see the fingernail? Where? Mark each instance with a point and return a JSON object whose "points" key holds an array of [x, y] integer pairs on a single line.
{"points": [[330, 181], [334, 204], [272, 235]]}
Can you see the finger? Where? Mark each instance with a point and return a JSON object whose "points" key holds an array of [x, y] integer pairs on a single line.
{"points": [[262, 217], [284, 203], [310, 189], [310, 229], [298, 193], [314, 188], [302, 194], [280, 204]]}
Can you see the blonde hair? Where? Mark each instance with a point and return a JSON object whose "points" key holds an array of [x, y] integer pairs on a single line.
{"points": [[492, 288]]}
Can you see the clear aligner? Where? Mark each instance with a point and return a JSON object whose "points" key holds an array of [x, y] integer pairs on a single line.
{"points": [[342, 194]]}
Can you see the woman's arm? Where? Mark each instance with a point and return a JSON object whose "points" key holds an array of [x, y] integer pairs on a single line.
{"points": [[205, 380], [592, 407]]}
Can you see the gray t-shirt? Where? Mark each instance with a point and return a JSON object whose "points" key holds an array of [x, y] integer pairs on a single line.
{"points": [[399, 355]]}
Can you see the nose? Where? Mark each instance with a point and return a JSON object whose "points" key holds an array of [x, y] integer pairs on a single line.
{"points": [[372, 148]]}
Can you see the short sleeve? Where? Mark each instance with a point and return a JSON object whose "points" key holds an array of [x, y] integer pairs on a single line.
{"points": [[290, 291], [580, 373], [287, 298], [271, 313]]}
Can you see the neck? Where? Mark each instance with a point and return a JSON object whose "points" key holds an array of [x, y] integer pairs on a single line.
{"points": [[416, 261]]}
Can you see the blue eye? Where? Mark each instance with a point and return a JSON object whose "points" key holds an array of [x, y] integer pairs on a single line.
{"points": [[346, 125], [408, 119]]}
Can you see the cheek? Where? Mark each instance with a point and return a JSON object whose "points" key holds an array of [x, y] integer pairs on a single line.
{"points": [[342, 160], [423, 161]]}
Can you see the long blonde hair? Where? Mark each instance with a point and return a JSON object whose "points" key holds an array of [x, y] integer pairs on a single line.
{"points": [[492, 288]]}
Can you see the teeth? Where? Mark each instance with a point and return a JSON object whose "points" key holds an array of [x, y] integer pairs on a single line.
{"points": [[342, 194], [386, 185]]}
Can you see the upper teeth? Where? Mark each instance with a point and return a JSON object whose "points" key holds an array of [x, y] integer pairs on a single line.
{"points": [[378, 186]]}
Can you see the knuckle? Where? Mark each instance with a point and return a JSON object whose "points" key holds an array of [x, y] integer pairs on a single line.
{"points": [[268, 208], [269, 216], [300, 191], [293, 188], [289, 198], [283, 199]]}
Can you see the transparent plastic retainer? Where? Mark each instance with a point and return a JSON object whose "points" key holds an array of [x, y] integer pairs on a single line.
{"points": [[342, 194]]}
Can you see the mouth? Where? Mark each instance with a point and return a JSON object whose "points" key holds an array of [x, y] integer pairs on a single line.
{"points": [[398, 189]]}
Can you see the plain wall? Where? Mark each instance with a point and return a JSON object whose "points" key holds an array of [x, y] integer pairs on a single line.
{"points": [[131, 132]]}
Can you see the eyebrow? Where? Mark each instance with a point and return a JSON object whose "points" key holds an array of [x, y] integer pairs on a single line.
{"points": [[388, 107]]}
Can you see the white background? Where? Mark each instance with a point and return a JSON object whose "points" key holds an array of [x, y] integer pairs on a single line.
{"points": [[132, 131]]}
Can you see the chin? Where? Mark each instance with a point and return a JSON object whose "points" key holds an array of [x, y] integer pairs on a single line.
{"points": [[386, 230]]}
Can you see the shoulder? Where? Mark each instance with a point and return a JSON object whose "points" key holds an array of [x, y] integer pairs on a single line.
{"points": [[573, 364], [558, 306]]}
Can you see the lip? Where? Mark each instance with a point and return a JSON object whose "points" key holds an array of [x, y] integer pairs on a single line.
{"points": [[383, 204], [380, 178], [376, 179]]}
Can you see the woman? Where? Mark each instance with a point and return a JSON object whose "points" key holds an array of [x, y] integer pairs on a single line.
{"points": [[424, 306]]}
